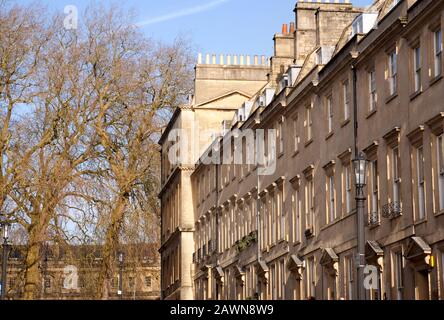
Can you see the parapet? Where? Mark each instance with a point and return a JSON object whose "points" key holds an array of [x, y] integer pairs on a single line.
{"points": [[233, 60], [325, 4], [325, 1]]}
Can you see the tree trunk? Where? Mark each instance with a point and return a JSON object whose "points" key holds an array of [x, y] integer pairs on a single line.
{"points": [[32, 272], [109, 248]]}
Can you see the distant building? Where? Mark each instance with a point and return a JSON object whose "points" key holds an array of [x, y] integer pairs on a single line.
{"points": [[231, 231], [69, 273]]}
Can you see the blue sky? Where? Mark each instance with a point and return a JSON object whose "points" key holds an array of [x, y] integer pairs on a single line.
{"points": [[213, 26]]}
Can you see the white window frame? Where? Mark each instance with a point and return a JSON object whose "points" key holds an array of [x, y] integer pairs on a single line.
{"points": [[295, 134], [393, 72], [398, 265], [309, 203], [311, 280], [374, 203], [329, 105], [346, 99], [417, 65], [281, 137], [349, 276], [331, 201], [348, 188], [372, 89], [296, 216], [437, 52], [280, 279], [309, 122], [396, 178], [281, 212], [421, 182], [440, 168]]}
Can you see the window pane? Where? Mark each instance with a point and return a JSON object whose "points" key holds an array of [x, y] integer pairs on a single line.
{"points": [[441, 154], [399, 274], [329, 114], [417, 66], [332, 198], [374, 182], [392, 72], [438, 51], [346, 100], [420, 175], [372, 81], [440, 157]]}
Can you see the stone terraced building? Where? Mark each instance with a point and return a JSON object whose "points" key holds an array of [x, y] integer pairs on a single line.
{"points": [[342, 80]]}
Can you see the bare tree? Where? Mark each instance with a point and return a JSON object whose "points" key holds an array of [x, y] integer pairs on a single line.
{"points": [[80, 164]]}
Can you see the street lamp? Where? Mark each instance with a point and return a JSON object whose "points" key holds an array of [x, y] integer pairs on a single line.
{"points": [[120, 257], [5, 236], [360, 172], [360, 169]]}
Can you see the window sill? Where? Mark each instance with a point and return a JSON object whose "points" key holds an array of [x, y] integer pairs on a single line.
{"points": [[420, 222], [371, 113], [338, 220], [391, 98], [435, 79], [296, 243], [331, 224], [329, 135], [374, 225], [280, 155], [309, 142], [345, 122], [439, 213], [295, 153], [414, 95]]}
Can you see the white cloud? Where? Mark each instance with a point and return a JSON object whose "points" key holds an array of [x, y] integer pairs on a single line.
{"points": [[182, 13]]}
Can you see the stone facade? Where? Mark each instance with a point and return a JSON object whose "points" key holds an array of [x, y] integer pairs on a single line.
{"points": [[342, 80], [70, 273]]}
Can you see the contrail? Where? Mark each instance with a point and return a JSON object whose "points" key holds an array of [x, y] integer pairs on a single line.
{"points": [[182, 13]]}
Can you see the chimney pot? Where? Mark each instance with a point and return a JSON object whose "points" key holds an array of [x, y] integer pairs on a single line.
{"points": [[292, 27], [284, 28]]}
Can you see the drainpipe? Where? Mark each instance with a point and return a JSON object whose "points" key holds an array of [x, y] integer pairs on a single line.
{"points": [[259, 236], [216, 240], [355, 112]]}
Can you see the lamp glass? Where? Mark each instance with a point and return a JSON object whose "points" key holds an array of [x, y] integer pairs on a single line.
{"points": [[5, 231], [360, 167]]}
